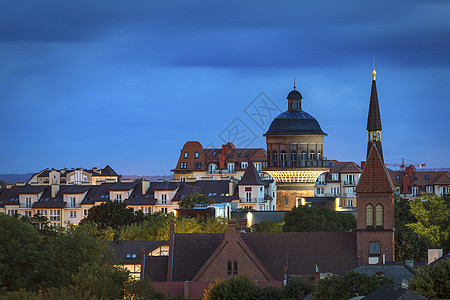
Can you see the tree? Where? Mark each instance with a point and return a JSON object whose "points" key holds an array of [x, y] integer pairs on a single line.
{"points": [[142, 289], [433, 218], [433, 281], [267, 226], [296, 288], [305, 218], [24, 259], [236, 288], [350, 285], [113, 214], [193, 199]]}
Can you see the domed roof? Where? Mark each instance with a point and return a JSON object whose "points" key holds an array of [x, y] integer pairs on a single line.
{"points": [[294, 95], [293, 123]]}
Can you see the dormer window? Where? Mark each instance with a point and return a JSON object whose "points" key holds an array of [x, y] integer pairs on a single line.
{"points": [[186, 154], [244, 165], [230, 167], [335, 176]]}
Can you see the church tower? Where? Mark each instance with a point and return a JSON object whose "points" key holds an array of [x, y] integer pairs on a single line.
{"points": [[375, 196]]}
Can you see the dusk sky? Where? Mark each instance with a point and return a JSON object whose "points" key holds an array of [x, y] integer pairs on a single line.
{"points": [[127, 83]]}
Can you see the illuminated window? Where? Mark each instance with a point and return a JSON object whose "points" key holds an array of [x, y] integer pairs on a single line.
{"points": [[369, 215], [186, 154], [196, 154], [379, 214]]}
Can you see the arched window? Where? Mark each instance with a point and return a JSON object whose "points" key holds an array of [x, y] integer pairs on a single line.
{"points": [[293, 157], [229, 267], [319, 155], [283, 158], [312, 155], [303, 155], [274, 158], [212, 168], [379, 215], [369, 215], [235, 270]]}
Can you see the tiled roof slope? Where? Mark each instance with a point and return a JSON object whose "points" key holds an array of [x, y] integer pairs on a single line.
{"points": [[393, 292], [443, 179], [156, 268], [191, 251], [398, 273], [251, 176], [375, 177], [123, 248], [333, 252]]}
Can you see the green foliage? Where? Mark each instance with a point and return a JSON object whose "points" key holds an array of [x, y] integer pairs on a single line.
{"points": [[24, 260], [113, 214], [101, 281], [350, 285], [18, 295], [267, 226], [236, 288], [142, 290], [433, 281], [42, 225], [410, 245], [297, 288], [192, 199], [305, 218]]}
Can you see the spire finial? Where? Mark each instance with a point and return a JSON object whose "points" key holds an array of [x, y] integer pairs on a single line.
{"points": [[294, 82], [374, 73]]}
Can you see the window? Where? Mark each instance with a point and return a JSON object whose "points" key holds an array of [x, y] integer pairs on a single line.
{"points": [[312, 155], [427, 177], [182, 179], [163, 199], [286, 200], [28, 202], [429, 188], [235, 269], [275, 158], [374, 248], [197, 165], [350, 191], [164, 210], [244, 165], [42, 212], [258, 167], [13, 212], [349, 203], [72, 202], [321, 179], [319, 155], [335, 191], [214, 153], [85, 213], [443, 190], [239, 154], [230, 167], [319, 191], [335, 176], [183, 165], [229, 267], [246, 154], [186, 154], [212, 168], [415, 191], [72, 214], [303, 155], [55, 215], [119, 197], [196, 154], [283, 157], [28, 213], [379, 214], [397, 177], [248, 196], [369, 215], [293, 156], [350, 179]]}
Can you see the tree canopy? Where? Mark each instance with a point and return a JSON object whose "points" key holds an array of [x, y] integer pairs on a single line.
{"points": [[350, 285], [305, 218], [113, 214], [193, 199], [433, 281]]}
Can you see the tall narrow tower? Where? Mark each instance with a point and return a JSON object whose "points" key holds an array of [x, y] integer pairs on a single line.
{"points": [[375, 196]]}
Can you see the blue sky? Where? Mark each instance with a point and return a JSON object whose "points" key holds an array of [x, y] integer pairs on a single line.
{"points": [[128, 83]]}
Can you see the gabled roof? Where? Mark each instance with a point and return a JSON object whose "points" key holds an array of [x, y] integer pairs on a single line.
{"points": [[375, 177], [123, 248], [32, 189], [75, 189], [333, 252], [393, 292], [107, 171], [166, 186], [122, 186], [444, 179], [191, 251], [251, 176], [398, 273]]}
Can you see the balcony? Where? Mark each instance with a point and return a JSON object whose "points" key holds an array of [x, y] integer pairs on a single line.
{"points": [[332, 195], [25, 205], [220, 172], [349, 195], [252, 200], [320, 183], [350, 183], [76, 205], [298, 164]]}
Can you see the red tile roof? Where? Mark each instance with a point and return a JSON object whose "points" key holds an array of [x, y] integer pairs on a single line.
{"points": [[375, 177]]}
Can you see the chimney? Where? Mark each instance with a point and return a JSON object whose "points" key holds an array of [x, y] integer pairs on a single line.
{"points": [[145, 186], [224, 149], [243, 225], [222, 159], [232, 232], [316, 276], [363, 163], [55, 190], [231, 186]]}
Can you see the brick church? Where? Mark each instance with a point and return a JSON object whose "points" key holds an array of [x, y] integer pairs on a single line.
{"points": [[198, 259]]}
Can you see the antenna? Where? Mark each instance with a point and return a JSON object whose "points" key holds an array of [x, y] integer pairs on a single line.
{"points": [[294, 82]]}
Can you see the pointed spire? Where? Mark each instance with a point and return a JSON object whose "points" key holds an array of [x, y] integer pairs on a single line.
{"points": [[374, 119]]}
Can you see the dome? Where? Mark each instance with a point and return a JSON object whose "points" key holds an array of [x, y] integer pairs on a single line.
{"points": [[294, 95], [293, 123]]}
